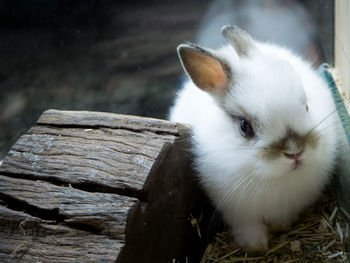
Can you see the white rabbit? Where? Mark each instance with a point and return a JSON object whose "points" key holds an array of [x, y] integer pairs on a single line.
{"points": [[264, 132]]}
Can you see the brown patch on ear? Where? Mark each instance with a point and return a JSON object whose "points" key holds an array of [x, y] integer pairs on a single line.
{"points": [[206, 71], [277, 148]]}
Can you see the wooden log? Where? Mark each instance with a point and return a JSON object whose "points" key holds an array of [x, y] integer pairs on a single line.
{"points": [[104, 187], [26, 238], [118, 157], [99, 212]]}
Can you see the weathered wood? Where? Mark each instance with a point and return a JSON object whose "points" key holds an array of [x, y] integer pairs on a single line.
{"points": [[119, 156], [49, 152], [117, 180], [102, 213], [111, 120], [25, 238]]}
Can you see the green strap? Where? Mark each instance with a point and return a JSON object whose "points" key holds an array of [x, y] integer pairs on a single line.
{"points": [[339, 103]]}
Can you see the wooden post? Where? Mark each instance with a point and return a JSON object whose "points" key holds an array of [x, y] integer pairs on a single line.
{"points": [[342, 47], [99, 187]]}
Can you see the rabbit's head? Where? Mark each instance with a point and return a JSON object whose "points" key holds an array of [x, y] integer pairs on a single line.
{"points": [[274, 120]]}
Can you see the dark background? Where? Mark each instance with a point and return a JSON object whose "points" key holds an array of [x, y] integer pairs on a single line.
{"points": [[115, 56]]}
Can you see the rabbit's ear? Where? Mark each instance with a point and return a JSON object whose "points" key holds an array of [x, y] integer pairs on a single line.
{"points": [[207, 71], [241, 41]]}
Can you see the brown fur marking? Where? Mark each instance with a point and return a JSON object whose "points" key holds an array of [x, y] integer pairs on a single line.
{"points": [[300, 142]]}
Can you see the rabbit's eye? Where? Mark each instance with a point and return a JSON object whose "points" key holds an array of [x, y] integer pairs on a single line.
{"points": [[307, 107], [246, 128]]}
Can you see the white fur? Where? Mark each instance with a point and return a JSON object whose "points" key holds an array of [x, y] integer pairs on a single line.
{"points": [[252, 193]]}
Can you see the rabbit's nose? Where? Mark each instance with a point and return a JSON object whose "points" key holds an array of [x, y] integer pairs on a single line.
{"points": [[294, 156]]}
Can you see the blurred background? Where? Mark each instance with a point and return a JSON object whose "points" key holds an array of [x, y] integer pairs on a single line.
{"points": [[120, 56]]}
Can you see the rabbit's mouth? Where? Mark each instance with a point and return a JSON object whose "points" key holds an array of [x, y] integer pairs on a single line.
{"points": [[296, 158], [297, 162], [292, 146]]}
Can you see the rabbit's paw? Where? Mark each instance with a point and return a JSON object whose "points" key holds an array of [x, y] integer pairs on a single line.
{"points": [[252, 238]]}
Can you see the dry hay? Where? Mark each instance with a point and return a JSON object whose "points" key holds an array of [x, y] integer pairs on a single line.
{"points": [[317, 237]]}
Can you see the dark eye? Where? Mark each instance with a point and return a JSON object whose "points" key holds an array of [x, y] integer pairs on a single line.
{"points": [[307, 107], [246, 128]]}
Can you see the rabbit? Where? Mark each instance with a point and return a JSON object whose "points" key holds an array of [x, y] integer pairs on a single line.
{"points": [[264, 132]]}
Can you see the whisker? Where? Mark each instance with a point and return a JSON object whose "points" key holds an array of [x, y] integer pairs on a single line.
{"points": [[262, 187], [189, 139], [325, 128], [243, 193], [320, 122], [223, 202]]}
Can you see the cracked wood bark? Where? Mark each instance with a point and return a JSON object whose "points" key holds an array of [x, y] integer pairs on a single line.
{"points": [[106, 187], [26, 238]]}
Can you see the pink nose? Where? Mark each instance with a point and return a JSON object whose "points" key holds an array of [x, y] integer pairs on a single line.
{"points": [[294, 156]]}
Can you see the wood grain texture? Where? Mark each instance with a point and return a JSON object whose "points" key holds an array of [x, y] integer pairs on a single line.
{"points": [[113, 159], [102, 213], [124, 185], [119, 156], [26, 238], [104, 119]]}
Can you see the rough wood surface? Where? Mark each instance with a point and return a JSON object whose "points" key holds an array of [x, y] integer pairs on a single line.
{"points": [[98, 212], [119, 156], [99, 187], [111, 120], [26, 238]]}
